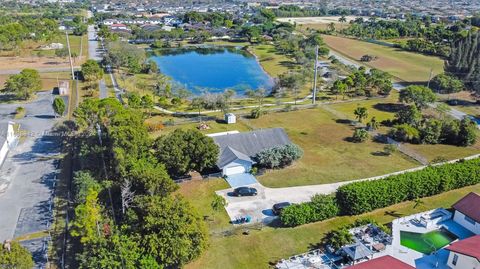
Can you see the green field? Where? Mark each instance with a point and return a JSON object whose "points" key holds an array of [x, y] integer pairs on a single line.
{"points": [[403, 65], [272, 62], [260, 248], [328, 155]]}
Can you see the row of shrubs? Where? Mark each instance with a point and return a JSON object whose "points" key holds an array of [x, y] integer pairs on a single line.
{"points": [[321, 207], [364, 196], [360, 197]]}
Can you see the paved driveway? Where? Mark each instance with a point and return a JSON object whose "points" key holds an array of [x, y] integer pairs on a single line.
{"points": [[260, 206], [239, 180]]}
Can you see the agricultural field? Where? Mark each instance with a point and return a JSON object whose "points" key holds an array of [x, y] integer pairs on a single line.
{"points": [[403, 65], [263, 247]]}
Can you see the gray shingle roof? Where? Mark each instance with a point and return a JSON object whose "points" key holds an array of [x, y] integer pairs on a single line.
{"points": [[248, 144]]}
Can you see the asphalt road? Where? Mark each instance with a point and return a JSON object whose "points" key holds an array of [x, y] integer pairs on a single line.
{"points": [[28, 173], [94, 51]]}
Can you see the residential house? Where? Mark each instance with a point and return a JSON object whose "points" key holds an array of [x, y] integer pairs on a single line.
{"points": [[465, 254], [384, 262], [467, 212], [237, 150]]}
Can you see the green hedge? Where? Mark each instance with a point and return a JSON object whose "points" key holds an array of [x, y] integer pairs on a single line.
{"points": [[360, 197], [321, 207]]}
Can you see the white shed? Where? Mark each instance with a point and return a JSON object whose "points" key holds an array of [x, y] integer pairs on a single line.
{"points": [[230, 118]]}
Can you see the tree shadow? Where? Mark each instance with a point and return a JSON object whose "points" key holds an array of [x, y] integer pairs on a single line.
{"points": [[388, 107], [379, 153], [393, 213], [343, 121]]}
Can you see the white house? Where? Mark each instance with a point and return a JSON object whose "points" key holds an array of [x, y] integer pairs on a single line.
{"points": [[238, 149], [467, 212], [7, 141], [465, 254]]}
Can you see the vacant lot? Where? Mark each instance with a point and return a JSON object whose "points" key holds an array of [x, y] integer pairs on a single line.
{"points": [[29, 56], [269, 245], [328, 154], [406, 66]]}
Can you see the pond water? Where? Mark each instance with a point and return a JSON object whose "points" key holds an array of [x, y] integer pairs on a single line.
{"points": [[212, 69]]}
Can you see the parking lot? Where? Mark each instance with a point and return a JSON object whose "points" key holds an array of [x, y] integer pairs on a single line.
{"points": [[29, 172]]}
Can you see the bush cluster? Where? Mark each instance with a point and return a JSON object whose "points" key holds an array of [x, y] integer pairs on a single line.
{"points": [[321, 207], [433, 131], [279, 156], [360, 197]]}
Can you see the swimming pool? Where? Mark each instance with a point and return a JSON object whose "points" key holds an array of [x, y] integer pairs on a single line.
{"points": [[428, 242]]}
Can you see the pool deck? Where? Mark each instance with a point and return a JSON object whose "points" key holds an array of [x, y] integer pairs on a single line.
{"points": [[415, 258]]}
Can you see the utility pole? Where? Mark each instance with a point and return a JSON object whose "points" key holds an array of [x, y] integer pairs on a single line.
{"points": [[70, 56], [314, 95]]}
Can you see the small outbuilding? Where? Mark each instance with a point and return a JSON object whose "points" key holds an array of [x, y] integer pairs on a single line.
{"points": [[230, 118], [63, 87]]}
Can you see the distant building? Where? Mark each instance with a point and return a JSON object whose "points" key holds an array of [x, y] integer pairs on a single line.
{"points": [[465, 254], [467, 212], [230, 118]]}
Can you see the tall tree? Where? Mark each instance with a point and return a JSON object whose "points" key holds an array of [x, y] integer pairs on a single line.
{"points": [[170, 230], [184, 151], [91, 70], [25, 84], [59, 106], [421, 96], [464, 62], [14, 256]]}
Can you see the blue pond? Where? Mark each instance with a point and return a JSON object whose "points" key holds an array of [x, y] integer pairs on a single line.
{"points": [[212, 69]]}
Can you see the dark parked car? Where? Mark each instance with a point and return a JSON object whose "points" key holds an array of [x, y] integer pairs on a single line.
{"points": [[277, 208], [245, 191]]}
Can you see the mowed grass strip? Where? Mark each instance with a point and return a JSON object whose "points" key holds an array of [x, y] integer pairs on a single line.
{"points": [[404, 65], [269, 245], [328, 155]]}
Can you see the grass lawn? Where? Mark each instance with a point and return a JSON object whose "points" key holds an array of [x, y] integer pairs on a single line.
{"points": [[139, 83], [406, 66], [272, 62], [260, 248], [200, 193], [328, 156], [215, 126], [449, 152], [376, 107]]}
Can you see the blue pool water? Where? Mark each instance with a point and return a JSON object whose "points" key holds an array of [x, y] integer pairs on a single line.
{"points": [[213, 69]]}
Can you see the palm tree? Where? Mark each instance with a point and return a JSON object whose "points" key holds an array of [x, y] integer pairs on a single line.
{"points": [[361, 113], [373, 124], [342, 19]]}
